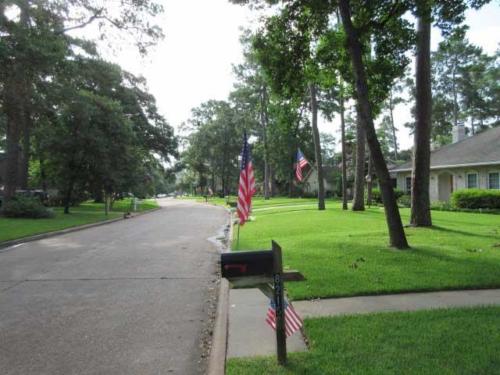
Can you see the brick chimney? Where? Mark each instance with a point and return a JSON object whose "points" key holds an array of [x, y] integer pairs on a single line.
{"points": [[458, 133]]}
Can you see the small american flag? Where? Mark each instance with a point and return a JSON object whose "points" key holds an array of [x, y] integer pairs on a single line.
{"points": [[292, 319], [300, 163], [246, 188]]}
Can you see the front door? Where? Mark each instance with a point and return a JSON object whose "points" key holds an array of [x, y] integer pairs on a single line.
{"points": [[445, 186]]}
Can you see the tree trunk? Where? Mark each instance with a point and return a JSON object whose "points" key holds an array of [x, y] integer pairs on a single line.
{"points": [[26, 151], [317, 148], [14, 110], [393, 127], [369, 182], [344, 158], [106, 203], [273, 181], [264, 121], [15, 96], [396, 232], [98, 195], [420, 200], [68, 195], [358, 202]]}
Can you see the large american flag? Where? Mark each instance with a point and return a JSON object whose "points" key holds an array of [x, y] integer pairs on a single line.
{"points": [[292, 319], [300, 163], [246, 188]]}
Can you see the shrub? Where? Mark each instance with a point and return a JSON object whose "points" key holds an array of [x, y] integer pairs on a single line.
{"points": [[476, 198], [26, 207], [377, 196], [442, 206], [404, 200]]}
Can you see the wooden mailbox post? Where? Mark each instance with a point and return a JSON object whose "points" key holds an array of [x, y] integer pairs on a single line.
{"points": [[263, 270]]}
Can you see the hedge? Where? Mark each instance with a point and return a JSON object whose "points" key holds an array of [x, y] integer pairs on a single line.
{"points": [[26, 207], [377, 197], [476, 198]]}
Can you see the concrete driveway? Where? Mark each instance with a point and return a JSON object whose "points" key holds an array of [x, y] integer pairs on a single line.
{"points": [[131, 297]]}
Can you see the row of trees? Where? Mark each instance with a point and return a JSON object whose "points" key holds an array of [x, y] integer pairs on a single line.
{"points": [[311, 56], [71, 120]]}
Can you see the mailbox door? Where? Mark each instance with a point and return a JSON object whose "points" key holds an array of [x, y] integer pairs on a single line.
{"points": [[247, 263]]}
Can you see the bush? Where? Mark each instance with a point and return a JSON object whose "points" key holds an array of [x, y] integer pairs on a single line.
{"points": [[442, 206], [404, 200], [476, 198], [377, 196], [26, 207]]}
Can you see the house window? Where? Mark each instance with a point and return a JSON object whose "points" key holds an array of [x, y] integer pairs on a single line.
{"points": [[494, 180], [471, 180], [408, 185]]}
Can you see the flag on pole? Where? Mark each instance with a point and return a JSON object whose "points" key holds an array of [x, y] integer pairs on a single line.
{"points": [[246, 188], [300, 163], [292, 320]]}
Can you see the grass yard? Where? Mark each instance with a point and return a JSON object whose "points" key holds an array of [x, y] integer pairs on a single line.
{"points": [[455, 341], [259, 202], [86, 213], [345, 253]]}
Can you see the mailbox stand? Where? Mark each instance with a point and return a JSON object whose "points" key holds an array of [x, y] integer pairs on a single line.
{"points": [[264, 270], [279, 301]]}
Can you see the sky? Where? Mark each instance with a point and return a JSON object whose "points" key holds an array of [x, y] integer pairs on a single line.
{"points": [[193, 63]]}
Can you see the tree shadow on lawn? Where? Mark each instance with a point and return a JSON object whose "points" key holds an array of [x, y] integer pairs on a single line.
{"points": [[280, 211], [342, 270], [464, 233]]}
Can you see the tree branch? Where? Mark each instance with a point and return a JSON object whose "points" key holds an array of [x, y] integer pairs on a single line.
{"points": [[95, 16]]}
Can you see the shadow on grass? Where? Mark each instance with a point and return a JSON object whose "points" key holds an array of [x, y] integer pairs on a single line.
{"points": [[352, 269], [463, 233], [279, 211]]}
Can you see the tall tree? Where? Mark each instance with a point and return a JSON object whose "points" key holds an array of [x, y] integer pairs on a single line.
{"points": [[34, 43], [358, 201], [446, 14], [420, 198], [295, 74], [396, 231], [252, 84]]}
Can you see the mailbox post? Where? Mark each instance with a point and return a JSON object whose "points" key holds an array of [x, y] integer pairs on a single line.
{"points": [[279, 300], [264, 270]]}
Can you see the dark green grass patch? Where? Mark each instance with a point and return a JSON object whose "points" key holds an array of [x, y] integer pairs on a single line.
{"points": [[345, 253], [86, 213], [455, 341]]}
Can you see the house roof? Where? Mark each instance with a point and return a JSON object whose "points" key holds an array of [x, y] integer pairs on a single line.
{"points": [[480, 149]]}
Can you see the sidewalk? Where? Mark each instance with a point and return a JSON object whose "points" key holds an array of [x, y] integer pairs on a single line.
{"points": [[249, 335], [396, 302]]}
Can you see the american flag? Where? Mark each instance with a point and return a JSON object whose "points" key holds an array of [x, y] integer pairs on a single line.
{"points": [[246, 186], [300, 163], [292, 319]]}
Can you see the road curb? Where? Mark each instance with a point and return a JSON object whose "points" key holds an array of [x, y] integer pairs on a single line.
{"points": [[4, 246], [218, 351]]}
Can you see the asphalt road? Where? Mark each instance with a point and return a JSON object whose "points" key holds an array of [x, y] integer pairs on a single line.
{"points": [[129, 297]]}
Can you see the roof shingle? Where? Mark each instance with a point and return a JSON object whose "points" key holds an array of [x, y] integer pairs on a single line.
{"points": [[482, 148]]}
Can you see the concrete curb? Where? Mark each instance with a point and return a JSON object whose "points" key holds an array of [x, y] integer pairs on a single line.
{"points": [[218, 352], [4, 246]]}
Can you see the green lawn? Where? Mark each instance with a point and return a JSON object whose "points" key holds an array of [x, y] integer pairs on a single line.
{"points": [[455, 341], [345, 253], [86, 213], [258, 202]]}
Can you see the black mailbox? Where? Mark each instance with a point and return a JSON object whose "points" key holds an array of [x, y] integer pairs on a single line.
{"points": [[247, 263]]}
